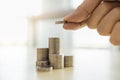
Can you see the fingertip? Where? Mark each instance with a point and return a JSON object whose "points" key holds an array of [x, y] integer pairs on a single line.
{"points": [[68, 26], [66, 18], [71, 26], [65, 26], [77, 16], [114, 42], [69, 17]]}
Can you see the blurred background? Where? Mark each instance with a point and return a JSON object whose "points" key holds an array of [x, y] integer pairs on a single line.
{"points": [[27, 24], [32, 23]]}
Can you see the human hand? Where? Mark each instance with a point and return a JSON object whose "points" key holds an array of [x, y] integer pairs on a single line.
{"points": [[104, 16]]}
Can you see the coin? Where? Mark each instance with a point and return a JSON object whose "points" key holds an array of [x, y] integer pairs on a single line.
{"points": [[60, 22]]}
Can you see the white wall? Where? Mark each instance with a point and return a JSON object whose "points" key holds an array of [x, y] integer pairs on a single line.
{"points": [[53, 5]]}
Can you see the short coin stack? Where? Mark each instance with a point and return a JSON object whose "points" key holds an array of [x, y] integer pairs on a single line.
{"points": [[50, 58], [68, 61], [42, 60]]}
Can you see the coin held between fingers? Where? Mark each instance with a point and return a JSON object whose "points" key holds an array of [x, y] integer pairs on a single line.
{"points": [[64, 22]]}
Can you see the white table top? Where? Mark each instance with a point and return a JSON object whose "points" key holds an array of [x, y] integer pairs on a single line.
{"points": [[18, 63]]}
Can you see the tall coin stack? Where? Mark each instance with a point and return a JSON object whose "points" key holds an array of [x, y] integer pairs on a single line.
{"points": [[55, 58]]}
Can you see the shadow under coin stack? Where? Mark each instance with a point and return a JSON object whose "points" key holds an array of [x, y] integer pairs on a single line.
{"points": [[50, 58]]}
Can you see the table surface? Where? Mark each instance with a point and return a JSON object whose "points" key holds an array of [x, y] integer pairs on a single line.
{"points": [[18, 63]]}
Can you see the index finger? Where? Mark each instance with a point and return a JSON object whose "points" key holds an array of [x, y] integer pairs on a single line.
{"points": [[83, 11]]}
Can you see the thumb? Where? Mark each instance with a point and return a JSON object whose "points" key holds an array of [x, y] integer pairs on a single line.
{"points": [[83, 11]]}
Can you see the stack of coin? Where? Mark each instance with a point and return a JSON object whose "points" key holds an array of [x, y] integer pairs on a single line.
{"points": [[55, 59], [50, 58], [54, 46], [42, 54], [68, 61], [42, 60]]}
